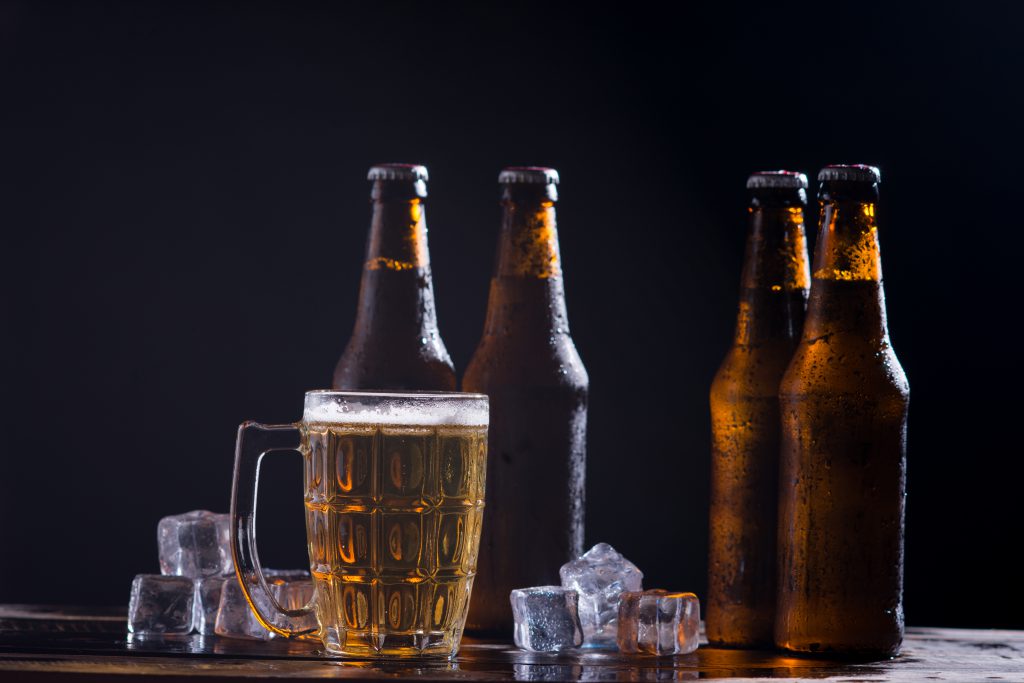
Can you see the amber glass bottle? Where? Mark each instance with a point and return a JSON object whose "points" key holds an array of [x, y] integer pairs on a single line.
{"points": [[527, 364], [745, 413], [396, 343], [842, 479]]}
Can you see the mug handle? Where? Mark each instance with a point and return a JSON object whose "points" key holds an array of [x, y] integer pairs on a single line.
{"points": [[254, 441]]}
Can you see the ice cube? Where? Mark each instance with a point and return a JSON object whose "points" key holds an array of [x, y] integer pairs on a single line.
{"points": [[546, 618], [207, 602], [235, 619], [600, 575], [656, 622], [161, 605], [292, 588], [195, 544]]}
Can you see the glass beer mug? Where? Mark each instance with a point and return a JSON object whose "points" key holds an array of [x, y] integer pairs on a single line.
{"points": [[394, 487]]}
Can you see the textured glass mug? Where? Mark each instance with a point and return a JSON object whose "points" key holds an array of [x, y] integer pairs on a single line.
{"points": [[394, 487]]}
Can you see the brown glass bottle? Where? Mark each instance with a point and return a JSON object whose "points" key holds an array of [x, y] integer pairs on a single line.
{"points": [[396, 343], [527, 364], [745, 413], [842, 474]]}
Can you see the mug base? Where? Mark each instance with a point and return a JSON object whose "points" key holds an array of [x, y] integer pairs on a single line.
{"points": [[436, 645]]}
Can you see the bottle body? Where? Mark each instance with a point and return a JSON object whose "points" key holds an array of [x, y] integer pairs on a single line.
{"points": [[396, 344], [745, 417], [844, 401], [528, 366]]}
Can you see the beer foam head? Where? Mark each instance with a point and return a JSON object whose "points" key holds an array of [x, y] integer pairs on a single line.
{"points": [[400, 409]]}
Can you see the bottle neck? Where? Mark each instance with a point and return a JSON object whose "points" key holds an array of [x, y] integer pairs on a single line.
{"points": [[527, 293], [396, 293], [528, 243], [846, 291], [776, 276], [398, 236]]}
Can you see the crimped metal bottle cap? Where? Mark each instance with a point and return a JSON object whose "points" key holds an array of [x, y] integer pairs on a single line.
{"points": [[411, 172], [781, 179], [859, 173], [537, 175]]}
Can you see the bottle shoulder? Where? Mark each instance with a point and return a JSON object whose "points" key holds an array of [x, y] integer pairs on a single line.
{"points": [[752, 371], [510, 360], [411, 346], [437, 378], [836, 365], [418, 366]]}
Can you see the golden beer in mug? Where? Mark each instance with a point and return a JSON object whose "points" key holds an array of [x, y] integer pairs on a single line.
{"points": [[393, 489]]}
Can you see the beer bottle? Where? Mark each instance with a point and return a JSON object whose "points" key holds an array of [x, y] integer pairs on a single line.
{"points": [[527, 364], [396, 343], [745, 413], [842, 475]]}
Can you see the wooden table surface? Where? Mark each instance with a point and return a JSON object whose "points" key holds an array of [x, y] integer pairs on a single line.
{"points": [[90, 644]]}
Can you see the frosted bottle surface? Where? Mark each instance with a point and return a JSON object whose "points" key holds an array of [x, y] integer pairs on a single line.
{"points": [[396, 343], [528, 365], [745, 413], [844, 402]]}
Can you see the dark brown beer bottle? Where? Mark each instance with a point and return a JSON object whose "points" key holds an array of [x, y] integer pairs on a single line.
{"points": [[396, 343], [745, 413], [844, 404], [527, 364]]}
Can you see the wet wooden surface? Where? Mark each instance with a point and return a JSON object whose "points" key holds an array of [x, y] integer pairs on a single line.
{"points": [[90, 644]]}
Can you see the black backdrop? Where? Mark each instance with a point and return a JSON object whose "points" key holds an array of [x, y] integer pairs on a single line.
{"points": [[183, 210]]}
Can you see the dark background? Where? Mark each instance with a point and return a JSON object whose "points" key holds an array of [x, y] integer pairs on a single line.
{"points": [[183, 210]]}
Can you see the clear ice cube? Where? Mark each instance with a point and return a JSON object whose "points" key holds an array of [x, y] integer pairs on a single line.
{"points": [[195, 544], [546, 618], [600, 576], [161, 605], [207, 602], [293, 589], [657, 622], [235, 619]]}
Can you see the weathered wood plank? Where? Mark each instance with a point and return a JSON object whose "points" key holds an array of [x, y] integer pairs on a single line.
{"points": [[42, 644]]}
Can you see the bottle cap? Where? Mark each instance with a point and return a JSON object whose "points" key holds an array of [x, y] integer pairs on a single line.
{"points": [[858, 173], [413, 172], [537, 175], [777, 179]]}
